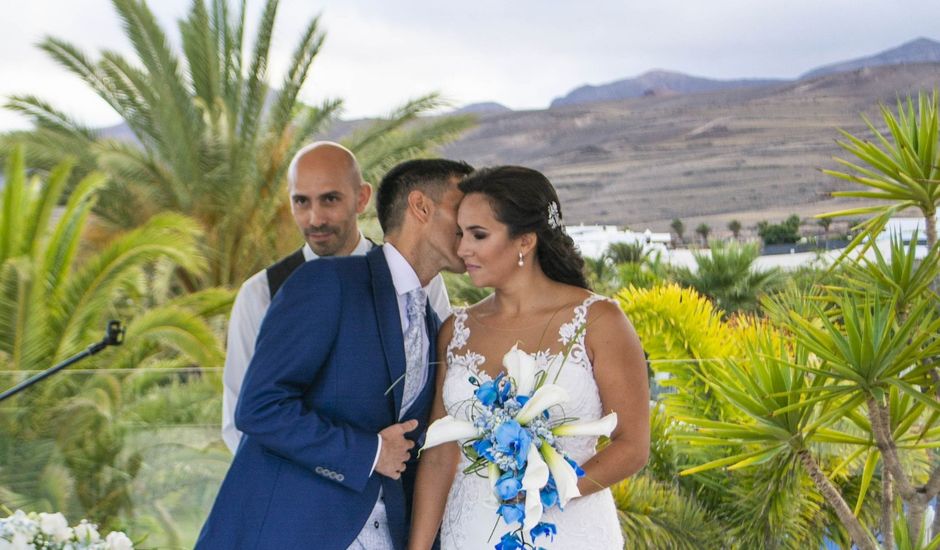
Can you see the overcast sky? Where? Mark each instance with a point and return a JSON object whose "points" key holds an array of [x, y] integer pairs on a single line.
{"points": [[521, 53]]}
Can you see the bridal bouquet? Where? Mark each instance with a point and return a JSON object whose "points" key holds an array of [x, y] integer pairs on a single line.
{"points": [[22, 531], [512, 435]]}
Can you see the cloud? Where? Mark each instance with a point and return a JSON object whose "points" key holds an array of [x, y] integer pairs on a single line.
{"points": [[522, 53]]}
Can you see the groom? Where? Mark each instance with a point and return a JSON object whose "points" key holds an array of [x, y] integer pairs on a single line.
{"points": [[340, 386]]}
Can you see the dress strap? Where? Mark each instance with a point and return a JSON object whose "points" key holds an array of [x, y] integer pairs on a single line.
{"points": [[571, 334], [461, 333]]}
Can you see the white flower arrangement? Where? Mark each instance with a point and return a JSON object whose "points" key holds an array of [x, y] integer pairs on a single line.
{"points": [[32, 531]]}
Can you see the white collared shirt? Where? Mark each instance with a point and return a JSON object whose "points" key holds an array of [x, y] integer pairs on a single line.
{"points": [[248, 311], [405, 280]]}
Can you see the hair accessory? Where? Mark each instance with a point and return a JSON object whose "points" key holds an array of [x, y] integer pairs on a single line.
{"points": [[521, 259], [554, 216]]}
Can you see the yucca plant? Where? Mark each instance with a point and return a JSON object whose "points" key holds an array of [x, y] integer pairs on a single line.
{"points": [[870, 353], [899, 277], [779, 420], [905, 540], [212, 141], [900, 167]]}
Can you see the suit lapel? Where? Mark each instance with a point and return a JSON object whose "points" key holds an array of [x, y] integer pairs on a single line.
{"points": [[389, 320]]}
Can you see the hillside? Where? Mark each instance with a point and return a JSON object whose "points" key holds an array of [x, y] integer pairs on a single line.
{"points": [[921, 50], [749, 154]]}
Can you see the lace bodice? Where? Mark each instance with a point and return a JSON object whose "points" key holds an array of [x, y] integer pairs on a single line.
{"points": [[588, 522]]}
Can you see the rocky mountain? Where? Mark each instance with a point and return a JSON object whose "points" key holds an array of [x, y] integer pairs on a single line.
{"points": [[485, 108], [654, 83], [665, 83], [921, 50], [749, 154]]}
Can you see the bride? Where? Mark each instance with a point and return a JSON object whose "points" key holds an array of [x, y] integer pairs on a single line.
{"points": [[511, 239]]}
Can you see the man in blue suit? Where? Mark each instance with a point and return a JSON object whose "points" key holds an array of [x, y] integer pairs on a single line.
{"points": [[339, 390]]}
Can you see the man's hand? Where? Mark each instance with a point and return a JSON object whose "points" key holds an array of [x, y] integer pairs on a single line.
{"points": [[395, 449]]}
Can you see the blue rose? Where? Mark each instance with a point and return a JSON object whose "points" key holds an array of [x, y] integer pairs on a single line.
{"points": [[512, 513], [544, 529], [508, 486], [513, 440]]}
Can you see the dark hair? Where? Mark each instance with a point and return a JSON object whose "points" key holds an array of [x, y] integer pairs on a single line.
{"points": [[427, 175], [522, 199]]}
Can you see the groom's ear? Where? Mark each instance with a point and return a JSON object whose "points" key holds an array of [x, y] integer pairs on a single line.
{"points": [[420, 206]]}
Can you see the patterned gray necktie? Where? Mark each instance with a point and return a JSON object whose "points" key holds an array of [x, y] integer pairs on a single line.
{"points": [[415, 367]]}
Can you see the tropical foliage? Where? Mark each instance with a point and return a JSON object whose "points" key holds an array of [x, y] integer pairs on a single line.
{"points": [[726, 273], [63, 441], [211, 139], [899, 167]]}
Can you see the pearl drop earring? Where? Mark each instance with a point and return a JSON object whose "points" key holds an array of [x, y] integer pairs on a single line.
{"points": [[521, 259]]}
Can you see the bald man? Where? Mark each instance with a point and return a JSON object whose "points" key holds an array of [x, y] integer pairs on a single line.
{"points": [[327, 193]]}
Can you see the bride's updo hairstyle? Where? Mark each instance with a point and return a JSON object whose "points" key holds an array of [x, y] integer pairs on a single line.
{"points": [[525, 201]]}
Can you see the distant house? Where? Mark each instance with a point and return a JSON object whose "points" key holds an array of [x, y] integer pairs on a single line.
{"points": [[593, 240]]}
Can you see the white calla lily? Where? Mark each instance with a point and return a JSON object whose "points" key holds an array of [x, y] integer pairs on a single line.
{"points": [[520, 366], [447, 429], [566, 479], [602, 426], [547, 396], [536, 476]]}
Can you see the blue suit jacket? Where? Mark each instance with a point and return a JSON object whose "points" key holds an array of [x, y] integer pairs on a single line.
{"points": [[314, 398]]}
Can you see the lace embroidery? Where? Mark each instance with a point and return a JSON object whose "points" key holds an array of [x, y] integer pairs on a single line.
{"points": [[588, 522], [469, 360]]}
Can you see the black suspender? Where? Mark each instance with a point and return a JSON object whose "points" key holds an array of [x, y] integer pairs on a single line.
{"points": [[279, 272]]}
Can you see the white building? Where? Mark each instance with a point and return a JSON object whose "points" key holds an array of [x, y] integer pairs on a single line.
{"points": [[593, 240]]}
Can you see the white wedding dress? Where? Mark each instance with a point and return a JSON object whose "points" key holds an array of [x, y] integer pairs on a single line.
{"points": [[470, 514]]}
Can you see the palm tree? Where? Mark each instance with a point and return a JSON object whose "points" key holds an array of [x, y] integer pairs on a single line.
{"points": [[735, 227], [703, 231], [54, 299], [627, 253], [211, 140], [901, 167], [601, 274], [678, 227], [727, 275]]}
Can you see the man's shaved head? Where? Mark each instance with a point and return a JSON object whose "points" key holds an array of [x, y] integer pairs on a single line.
{"points": [[326, 194]]}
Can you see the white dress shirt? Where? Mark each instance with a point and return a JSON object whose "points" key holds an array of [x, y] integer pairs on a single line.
{"points": [[251, 304]]}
